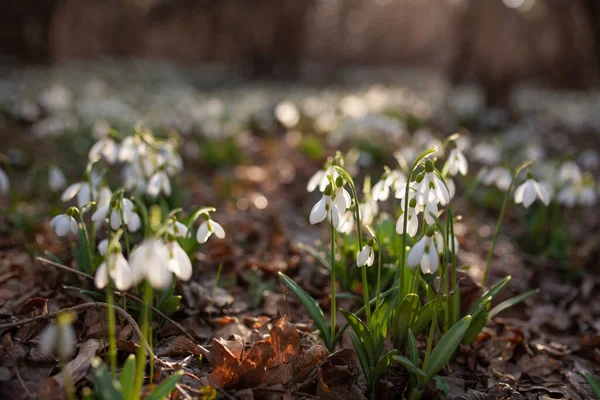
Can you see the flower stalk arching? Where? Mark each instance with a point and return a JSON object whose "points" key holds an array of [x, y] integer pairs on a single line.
{"points": [[379, 267], [516, 173]]}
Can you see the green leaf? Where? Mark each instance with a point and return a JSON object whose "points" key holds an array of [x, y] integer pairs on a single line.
{"points": [[82, 255], [454, 306], [511, 302], [171, 306], [363, 359], [105, 387], [442, 385], [363, 334], [165, 388], [407, 315], [313, 308], [383, 364], [315, 253], [443, 351], [413, 350], [594, 383], [478, 322], [127, 376], [493, 292], [426, 314], [410, 367]]}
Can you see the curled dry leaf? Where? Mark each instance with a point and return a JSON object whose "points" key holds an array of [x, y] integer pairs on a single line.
{"points": [[177, 346], [341, 378]]}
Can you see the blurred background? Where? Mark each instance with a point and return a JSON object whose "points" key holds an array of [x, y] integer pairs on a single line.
{"points": [[495, 44]]}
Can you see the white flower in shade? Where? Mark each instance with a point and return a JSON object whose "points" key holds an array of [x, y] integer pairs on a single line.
{"points": [[498, 176], [528, 191], [117, 268], [439, 243], [368, 211], [83, 191], [366, 256], [457, 162], [342, 199], [412, 220], [319, 179], [159, 182], [133, 177], [451, 187], [569, 173], [381, 190], [131, 148], [582, 193], [56, 179], [325, 207], [207, 228], [431, 187], [424, 253], [60, 337], [431, 212], [177, 229], [4, 182], [113, 213], [102, 247], [104, 148], [179, 262], [149, 260], [346, 223], [104, 196], [64, 224]]}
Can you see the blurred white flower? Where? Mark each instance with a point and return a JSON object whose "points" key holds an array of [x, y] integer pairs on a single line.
{"points": [[4, 182], [439, 243], [102, 247], [528, 191], [319, 179], [83, 191], [457, 162], [366, 256], [117, 268], [499, 176], [432, 188], [149, 260], [64, 224], [325, 207], [60, 337], [412, 222], [179, 262], [177, 229], [569, 172], [424, 253], [159, 182], [346, 223], [105, 148], [56, 179], [207, 228]]}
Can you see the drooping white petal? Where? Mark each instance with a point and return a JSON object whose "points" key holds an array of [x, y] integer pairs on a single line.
{"points": [[431, 212], [48, 340], [334, 214], [149, 260], [115, 220], [63, 226], [177, 229], [100, 214], [542, 192], [101, 277], [120, 271], [519, 192], [4, 182], [71, 191], [362, 256], [440, 190], [73, 228], [84, 195], [433, 259], [56, 179], [154, 185], [416, 253], [180, 263], [103, 246], [217, 229], [203, 233], [319, 211], [315, 180], [528, 193], [66, 341], [134, 223]]}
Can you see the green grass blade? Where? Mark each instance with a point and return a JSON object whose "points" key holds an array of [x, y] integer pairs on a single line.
{"points": [[511, 302], [363, 359], [410, 367], [364, 336], [105, 387], [493, 292], [443, 351], [594, 383], [165, 388], [127, 375]]}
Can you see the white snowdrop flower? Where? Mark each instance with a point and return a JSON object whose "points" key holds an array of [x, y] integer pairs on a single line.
{"points": [[451, 187], [113, 213], [117, 268], [396, 179], [346, 223], [133, 177], [325, 207], [149, 260], [528, 191], [104, 148], [424, 253], [207, 228], [179, 262], [319, 179], [430, 212], [4, 182], [177, 229], [439, 243], [56, 179], [582, 193], [366, 256], [64, 224], [60, 337], [431, 187], [102, 247], [130, 149], [412, 220], [569, 172], [589, 159], [159, 182], [368, 211], [486, 153], [498, 176], [568, 196], [83, 191], [457, 162], [342, 199], [381, 190]]}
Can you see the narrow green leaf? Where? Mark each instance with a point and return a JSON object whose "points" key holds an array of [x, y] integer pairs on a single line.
{"points": [[313, 308], [493, 292], [426, 314], [511, 302], [594, 383], [363, 334], [478, 322], [171, 306], [105, 387], [410, 367], [165, 388], [408, 314], [83, 255], [443, 351], [363, 359], [127, 376], [383, 364]]}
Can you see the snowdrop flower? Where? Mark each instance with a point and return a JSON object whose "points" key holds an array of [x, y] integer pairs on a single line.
{"points": [[368, 211], [207, 228], [177, 229], [569, 173], [346, 223], [381, 190], [424, 253], [582, 192], [501, 177], [431, 187], [159, 182], [179, 262], [325, 207], [102, 247], [131, 148], [319, 179], [457, 162], [366, 256], [149, 261], [104, 148], [60, 337], [439, 243], [113, 213], [117, 268], [4, 182], [64, 224], [451, 187], [56, 179], [528, 191], [412, 220], [104, 196], [82, 189], [342, 198]]}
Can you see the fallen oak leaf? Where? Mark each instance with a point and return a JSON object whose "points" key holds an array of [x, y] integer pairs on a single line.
{"points": [[177, 346]]}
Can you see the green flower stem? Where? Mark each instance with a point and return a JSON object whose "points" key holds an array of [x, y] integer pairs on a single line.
{"points": [[455, 303], [68, 381], [500, 219], [333, 295], [112, 335], [141, 353]]}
